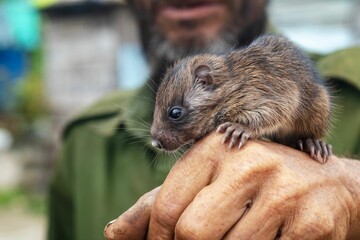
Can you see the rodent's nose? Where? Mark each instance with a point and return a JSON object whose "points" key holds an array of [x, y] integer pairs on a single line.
{"points": [[156, 143]]}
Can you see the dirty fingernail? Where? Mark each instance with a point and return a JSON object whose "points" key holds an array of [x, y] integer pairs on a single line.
{"points": [[108, 225]]}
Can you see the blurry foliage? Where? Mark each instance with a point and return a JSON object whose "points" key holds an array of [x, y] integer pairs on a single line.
{"points": [[30, 101], [19, 198]]}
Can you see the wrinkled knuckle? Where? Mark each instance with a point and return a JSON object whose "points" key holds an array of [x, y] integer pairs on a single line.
{"points": [[276, 203], [145, 199], [256, 170], [325, 227], [318, 227], [187, 230], [285, 195], [149, 197], [164, 214]]}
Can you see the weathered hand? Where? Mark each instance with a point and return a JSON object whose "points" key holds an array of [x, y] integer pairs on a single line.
{"points": [[132, 224], [263, 191]]}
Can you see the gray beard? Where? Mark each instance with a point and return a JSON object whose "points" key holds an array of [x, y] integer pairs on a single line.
{"points": [[161, 50]]}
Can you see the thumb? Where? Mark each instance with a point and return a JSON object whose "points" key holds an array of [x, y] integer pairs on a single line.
{"points": [[133, 223]]}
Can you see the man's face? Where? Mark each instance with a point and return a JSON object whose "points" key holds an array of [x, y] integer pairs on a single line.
{"points": [[179, 27]]}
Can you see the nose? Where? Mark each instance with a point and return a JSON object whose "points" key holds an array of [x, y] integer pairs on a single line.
{"points": [[156, 143]]}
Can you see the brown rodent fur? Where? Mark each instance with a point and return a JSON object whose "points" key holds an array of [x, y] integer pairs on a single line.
{"points": [[267, 89]]}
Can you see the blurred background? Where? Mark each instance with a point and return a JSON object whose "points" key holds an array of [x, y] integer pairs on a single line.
{"points": [[59, 56]]}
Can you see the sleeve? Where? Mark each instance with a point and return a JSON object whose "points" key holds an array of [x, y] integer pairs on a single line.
{"points": [[342, 70], [61, 197]]}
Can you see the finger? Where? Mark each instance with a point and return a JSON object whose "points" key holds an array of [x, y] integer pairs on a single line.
{"points": [[234, 191], [208, 210], [312, 223], [260, 222], [134, 222], [189, 175]]}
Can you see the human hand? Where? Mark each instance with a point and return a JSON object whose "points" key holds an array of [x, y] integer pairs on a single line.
{"points": [[264, 191]]}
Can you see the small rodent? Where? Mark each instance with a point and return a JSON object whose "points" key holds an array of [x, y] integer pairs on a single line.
{"points": [[268, 89]]}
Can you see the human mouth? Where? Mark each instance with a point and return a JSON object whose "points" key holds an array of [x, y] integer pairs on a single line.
{"points": [[190, 10]]}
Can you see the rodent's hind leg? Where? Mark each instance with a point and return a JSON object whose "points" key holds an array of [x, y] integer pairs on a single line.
{"points": [[235, 133], [318, 149]]}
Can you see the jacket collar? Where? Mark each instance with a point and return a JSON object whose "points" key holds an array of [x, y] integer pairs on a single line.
{"points": [[342, 65]]}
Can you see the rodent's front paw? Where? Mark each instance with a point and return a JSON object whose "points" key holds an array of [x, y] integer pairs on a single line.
{"points": [[235, 133], [319, 150]]}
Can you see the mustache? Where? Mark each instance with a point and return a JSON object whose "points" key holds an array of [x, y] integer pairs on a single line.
{"points": [[155, 5]]}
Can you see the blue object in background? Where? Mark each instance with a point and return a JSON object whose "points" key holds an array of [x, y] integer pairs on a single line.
{"points": [[13, 62], [132, 69], [12, 69]]}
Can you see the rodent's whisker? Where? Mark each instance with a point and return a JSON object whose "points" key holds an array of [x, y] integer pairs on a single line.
{"points": [[152, 87], [135, 115]]}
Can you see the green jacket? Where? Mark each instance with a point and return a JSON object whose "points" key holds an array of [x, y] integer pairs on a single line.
{"points": [[107, 163]]}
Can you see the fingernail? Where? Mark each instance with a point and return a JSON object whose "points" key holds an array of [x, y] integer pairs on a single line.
{"points": [[108, 225]]}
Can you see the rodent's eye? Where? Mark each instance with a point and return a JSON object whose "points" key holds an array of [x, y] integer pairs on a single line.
{"points": [[175, 113]]}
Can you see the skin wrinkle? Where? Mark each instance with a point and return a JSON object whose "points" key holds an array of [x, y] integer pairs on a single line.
{"points": [[318, 189], [195, 224], [279, 205], [132, 217], [214, 162], [185, 229], [315, 224], [265, 222], [167, 217], [353, 198], [347, 199], [223, 163]]}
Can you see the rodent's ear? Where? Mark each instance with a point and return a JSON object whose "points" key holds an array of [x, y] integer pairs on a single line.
{"points": [[203, 76]]}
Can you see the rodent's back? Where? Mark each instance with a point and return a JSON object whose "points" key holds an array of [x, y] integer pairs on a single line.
{"points": [[272, 77]]}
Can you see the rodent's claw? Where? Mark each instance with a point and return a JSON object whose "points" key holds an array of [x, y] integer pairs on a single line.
{"points": [[234, 132], [325, 152], [228, 133], [244, 137], [222, 128], [235, 137], [319, 150], [301, 145], [329, 148]]}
